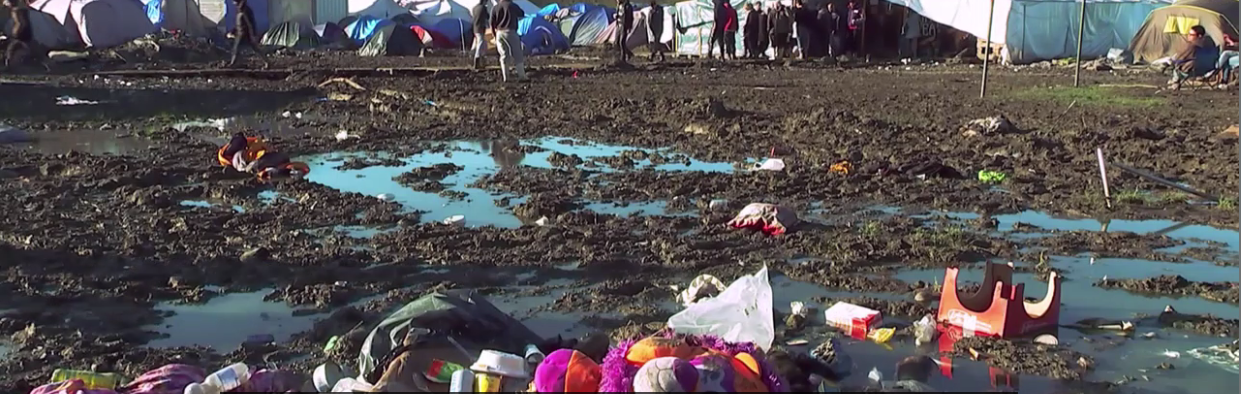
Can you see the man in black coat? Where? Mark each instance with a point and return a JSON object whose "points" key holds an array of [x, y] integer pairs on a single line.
{"points": [[480, 19], [749, 32], [20, 34], [655, 30], [764, 31], [624, 25]]}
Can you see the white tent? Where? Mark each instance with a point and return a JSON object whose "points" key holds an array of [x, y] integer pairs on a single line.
{"points": [[375, 8], [1034, 30], [188, 15], [99, 23]]}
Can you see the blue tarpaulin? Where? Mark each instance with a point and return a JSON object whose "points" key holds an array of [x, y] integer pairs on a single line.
{"points": [[364, 27], [540, 37], [548, 10], [454, 29]]}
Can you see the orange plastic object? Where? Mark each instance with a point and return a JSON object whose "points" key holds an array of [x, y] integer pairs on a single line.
{"points": [[999, 308]]}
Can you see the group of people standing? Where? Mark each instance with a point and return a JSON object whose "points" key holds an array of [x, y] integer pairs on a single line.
{"points": [[827, 31]]}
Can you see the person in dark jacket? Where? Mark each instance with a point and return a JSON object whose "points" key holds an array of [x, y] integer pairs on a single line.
{"points": [[807, 28], [624, 25], [245, 32], [781, 24], [480, 18], [749, 32], [719, 18], [764, 31], [731, 25], [20, 34], [835, 25], [655, 30], [504, 18], [1196, 59]]}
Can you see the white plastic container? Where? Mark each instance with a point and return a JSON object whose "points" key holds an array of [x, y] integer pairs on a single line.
{"points": [[499, 363], [351, 385], [462, 382], [455, 220], [231, 377], [534, 356], [326, 376], [386, 197]]}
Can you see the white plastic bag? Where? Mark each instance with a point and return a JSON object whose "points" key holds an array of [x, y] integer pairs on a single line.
{"points": [[741, 313]]}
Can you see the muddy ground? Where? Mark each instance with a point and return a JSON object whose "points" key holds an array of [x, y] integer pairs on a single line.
{"points": [[91, 243]]}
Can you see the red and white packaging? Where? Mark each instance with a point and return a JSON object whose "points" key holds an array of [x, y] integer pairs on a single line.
{"points": [[854, 320]]}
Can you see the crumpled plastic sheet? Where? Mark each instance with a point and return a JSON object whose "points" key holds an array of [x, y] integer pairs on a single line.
{"points": [[770, 218]]}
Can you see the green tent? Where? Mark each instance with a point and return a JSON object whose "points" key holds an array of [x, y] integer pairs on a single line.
{"points": [[392, 40], [290, 35], [453, 325]]}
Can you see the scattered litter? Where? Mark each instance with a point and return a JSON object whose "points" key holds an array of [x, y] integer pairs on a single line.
{"points": [[326, 375], [1222, 355], [987, 126], [741, 313], [842, 167], [1047, 339], [387, 197], [771, 165], [702, 287], [331, 344], [975, 354], [337, 97], [1085, 363], [346, 81], [717, 203], [797, 316], [988, 176], [1150, 335], [771, 219], [288, 114], [797, 342], [543, 221], [853, 319], [832, 355], [340, 283], [925, 330], [70, 100], [218, 124], [431, 103], [1171, 354], [344, 135], [882, 335], [455, 220], [875, 375]]}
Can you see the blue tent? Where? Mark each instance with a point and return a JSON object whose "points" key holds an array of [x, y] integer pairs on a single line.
{"points": [[155, 12], [540, 37], [584, 28], [453, 28], [364, 27], [548, 10]]}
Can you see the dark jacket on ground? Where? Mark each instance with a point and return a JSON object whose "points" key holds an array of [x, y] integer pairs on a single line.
{"points": [[481, 18], [505, 15]]}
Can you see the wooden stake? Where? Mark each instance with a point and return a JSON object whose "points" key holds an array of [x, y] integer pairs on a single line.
{"points": [[1107, 195], [986, 60], [1081, 28], [1165, 182]]}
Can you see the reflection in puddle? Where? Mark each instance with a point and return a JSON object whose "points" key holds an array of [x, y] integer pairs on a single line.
{"points": [[224, 322], [1166, 227], [479, 206], [94, 142], [208, 204]]}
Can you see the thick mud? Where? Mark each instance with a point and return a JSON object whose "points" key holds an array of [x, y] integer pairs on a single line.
{"points": [[95, 243]]}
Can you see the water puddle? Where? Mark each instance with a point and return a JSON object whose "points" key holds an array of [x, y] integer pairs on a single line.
{"points": [[93, 142], [39, 102], [225, 321], [481, 207], [210, 205], [1174, 229]]}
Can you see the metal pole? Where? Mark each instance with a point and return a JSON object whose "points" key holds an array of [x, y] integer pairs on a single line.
{"points": [[1081, 29], [986, 59], [1107, 195], [1165, 182]]}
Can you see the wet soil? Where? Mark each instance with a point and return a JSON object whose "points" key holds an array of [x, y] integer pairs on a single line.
{"points": [[1026, 357], [95, 241], [1176, 285]]}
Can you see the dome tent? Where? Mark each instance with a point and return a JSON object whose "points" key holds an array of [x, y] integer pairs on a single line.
{"points": [[392, 40], [291, 35], [1165, 28], [99, 23]]}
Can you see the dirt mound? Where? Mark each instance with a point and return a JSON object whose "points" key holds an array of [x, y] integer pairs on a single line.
{"points": [[1056, 362], [1175, 285]]}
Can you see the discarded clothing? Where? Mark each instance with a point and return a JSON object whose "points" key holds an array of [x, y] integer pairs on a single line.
{"points": [[770, 218], [717, 366], [172, 379], [923, 168], [566, 371], [251, 154]]}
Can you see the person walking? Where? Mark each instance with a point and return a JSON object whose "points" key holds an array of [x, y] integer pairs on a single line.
{"points": [[749, 32], [718, 20], [836, 28], [504, 18], [655, 29], [806, 26], [19, 34], [246, 33], [624, 25], [730, 32], [781, 30], [857, 21], [911, 33], [481, 20]]}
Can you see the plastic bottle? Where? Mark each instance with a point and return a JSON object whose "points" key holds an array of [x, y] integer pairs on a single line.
{"points": [[92, 380], [350, 385], [231, 377]]}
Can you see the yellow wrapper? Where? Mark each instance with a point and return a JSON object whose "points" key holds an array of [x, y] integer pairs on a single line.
{"points": [[486, 383]]}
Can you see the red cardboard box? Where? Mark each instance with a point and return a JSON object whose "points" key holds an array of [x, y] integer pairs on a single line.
{"points": [[852, 319]]}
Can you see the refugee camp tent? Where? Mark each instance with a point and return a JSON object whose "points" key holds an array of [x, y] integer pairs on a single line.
{"points": [[430, 12], [363, 27], [291, 35], [583, 28], [697, 18], [432, 39], [540, 37], [99, 23], [1034, 30], [549, 9], [1165, 28], [185, 16], [375, 8], [456, 31], [391, 40], [332, 34], [47, 31]]}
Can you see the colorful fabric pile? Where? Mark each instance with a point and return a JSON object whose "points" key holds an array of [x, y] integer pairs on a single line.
{"points": [[172, 379]]}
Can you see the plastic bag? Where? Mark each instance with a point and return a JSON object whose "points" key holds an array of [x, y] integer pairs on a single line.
{"points": [[741, 313]]}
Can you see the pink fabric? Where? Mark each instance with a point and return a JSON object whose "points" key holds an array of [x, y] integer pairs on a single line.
{"points": [[168, 379], [74, 386], [172, 379]]}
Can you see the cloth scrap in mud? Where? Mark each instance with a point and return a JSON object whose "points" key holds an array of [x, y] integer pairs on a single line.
{"points": [[770, 218], [70, 100]]}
